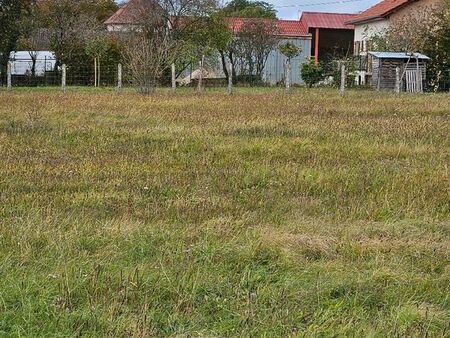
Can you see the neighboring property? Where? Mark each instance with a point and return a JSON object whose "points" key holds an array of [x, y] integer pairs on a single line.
{"points": [[332, 36], [376, 21], [292, 31], [125, 18], [411, 66], [288, 31], [378, 18]]}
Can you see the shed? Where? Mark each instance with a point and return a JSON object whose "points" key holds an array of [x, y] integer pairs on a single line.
{"points": [[412, 67], [332, 37]]}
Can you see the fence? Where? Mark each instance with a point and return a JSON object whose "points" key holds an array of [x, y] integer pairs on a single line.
{"points": [[45, 73], [48, 73]]}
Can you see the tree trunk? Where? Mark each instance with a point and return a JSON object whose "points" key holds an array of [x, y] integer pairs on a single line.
{"points": [[224, 65], [230, 56]]}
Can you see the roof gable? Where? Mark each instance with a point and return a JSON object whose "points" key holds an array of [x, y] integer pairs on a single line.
{"points": [[130, 12], [380, 11]]}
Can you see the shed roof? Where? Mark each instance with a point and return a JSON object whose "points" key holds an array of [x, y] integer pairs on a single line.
{"points": [[327, 20], [398, 55], [379, 11]]}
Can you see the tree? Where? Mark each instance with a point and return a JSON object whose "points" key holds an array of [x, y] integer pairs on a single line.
{"points": [[253, 44], [290, 51], [73, 22], [97, 47], [249, 9], [73, 26], [11, 13], [166, 32], [33, 37], [233, 49], [312, 72]]}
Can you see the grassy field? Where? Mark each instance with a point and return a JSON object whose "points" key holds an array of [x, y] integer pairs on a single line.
{"points": [[256, 215]]}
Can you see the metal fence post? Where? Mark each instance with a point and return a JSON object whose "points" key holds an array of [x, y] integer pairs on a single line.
{"points": [[119, 78], [63, 80], [230, 79], [343, 80], [174, 82], [9, 76]]}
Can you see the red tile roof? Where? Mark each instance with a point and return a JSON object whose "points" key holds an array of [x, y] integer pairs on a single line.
{"points": [[286, 28], [379, 11], [129, 12], [326, 20]]}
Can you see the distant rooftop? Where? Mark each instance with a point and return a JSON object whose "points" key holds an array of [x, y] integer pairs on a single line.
{"points": [[379, 11], [326, 20]]}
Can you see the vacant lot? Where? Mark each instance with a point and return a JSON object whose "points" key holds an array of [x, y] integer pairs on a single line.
{"points": [[260, 214]]}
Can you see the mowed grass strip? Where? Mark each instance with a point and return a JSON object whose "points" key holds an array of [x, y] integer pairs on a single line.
{"points": [[260, 214]]}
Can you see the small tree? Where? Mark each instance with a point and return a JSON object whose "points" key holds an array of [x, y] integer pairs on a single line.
{"points": [[256, 39], [97, 48], [312, 72], [290, 51]]}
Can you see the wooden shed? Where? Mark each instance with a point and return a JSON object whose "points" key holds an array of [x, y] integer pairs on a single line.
{"points": [[412, 70]]}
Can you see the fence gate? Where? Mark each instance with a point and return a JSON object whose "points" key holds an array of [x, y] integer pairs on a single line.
{"points": [[414, 81]]}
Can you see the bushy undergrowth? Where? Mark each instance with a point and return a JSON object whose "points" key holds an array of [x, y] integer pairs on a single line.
{"points": [[259, 214]]}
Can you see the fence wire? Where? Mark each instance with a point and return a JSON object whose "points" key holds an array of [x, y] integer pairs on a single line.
{"points": [[48, 73]]}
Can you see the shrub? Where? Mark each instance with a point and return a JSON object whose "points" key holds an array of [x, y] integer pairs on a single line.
{"points": [[312, 72], [336, 72]]}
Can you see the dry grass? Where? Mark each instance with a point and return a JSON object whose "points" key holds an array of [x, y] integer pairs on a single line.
{"points": [[257, 214]]}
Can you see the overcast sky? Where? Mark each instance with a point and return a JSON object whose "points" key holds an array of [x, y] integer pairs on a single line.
{"points": [[290, 9]]}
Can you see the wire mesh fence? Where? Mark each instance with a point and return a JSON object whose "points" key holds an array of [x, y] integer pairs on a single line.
{"points": [[49, 73]]}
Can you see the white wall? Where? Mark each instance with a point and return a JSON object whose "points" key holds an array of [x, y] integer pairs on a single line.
{"points": [[364, 31]]}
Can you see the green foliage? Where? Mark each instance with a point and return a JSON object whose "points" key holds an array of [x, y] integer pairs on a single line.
{"points": [[290, 50], [97, 46], [350, 68], [204, 36], [311, 72], [11, 14], [249, 9]]}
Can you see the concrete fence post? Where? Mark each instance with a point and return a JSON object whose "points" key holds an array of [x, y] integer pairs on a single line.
{"points": [[200, 77], [95, 73], [63, 79], [288, 76], [119, 78], [9, 75], [343, 80], [230, 79], [174, 80], [398, 85]]}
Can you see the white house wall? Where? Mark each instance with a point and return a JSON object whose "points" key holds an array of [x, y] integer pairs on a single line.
{"points": [[363, 32]]}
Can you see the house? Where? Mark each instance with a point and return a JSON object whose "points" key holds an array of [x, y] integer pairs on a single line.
{"points": [[127, 18], [377, 19], [332, 36]]}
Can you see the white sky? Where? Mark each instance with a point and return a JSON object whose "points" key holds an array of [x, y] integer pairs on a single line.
{"points": [[290, 9]]}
